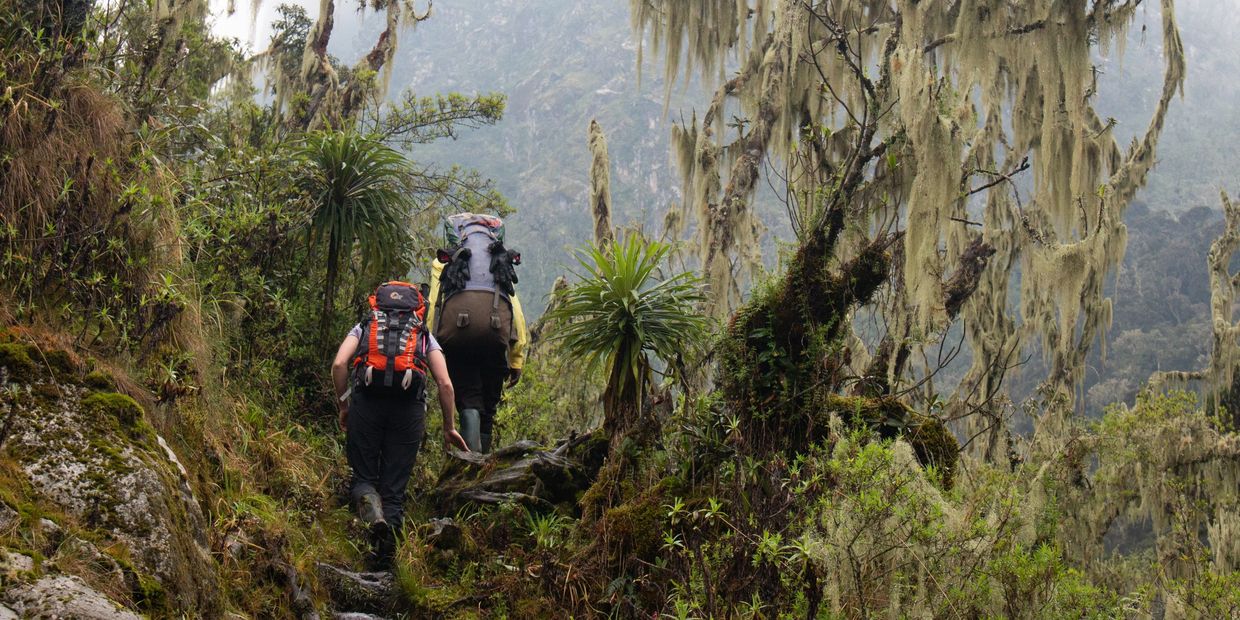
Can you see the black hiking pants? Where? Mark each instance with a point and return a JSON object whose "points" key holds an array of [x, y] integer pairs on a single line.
{"points": [[384, 433], [478, 375]]}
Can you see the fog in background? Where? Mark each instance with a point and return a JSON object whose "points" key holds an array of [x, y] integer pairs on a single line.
{"points": [[574, 54], [564, 62]]}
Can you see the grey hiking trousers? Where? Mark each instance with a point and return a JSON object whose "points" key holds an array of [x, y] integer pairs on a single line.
{"points": [[384, 433]]}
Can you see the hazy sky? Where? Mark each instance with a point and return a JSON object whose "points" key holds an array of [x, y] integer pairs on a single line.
{"points": [[248, 27]]}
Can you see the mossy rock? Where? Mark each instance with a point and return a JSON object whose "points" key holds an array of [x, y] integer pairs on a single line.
{"points": [[15, 358], [119, 412], [62, 364], [27, 362], [125, 410], [100, 381], [94, 457], [149, 593]]}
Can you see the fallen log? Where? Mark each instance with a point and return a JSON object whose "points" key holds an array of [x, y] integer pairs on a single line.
{"points": [[541, 479]]}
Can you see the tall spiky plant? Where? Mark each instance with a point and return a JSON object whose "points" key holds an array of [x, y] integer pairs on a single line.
{"points": [[359, 192], [621, 311]]}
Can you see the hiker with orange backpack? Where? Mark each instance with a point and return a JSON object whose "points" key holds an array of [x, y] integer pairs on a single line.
{"points": [[475, 314], [379, 375]]}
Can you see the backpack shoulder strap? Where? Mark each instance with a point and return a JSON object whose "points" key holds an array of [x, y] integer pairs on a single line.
{"points": [[363, 339]]}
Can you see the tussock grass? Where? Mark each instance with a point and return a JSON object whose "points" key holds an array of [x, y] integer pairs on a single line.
{"points": [[59, 158]]}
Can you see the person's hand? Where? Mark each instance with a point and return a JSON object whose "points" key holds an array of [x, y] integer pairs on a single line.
{"points": [[344, 416], [514, 375], [453, 439]]}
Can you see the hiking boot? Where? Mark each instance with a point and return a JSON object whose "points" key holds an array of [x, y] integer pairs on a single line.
{"points": [[471, 426], [383, 546], [370, 509]]}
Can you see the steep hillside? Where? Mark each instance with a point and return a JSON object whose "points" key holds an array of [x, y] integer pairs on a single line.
{"points": [[181, 257]]}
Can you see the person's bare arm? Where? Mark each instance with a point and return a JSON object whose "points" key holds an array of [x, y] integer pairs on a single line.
{"points": [[447, 400], [340, 376]]}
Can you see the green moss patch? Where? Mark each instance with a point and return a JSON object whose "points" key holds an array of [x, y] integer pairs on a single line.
{"points": [[144, 589], [149, 593], [636, 527], [27, 362], [125, 411], [100, 381], [935, 445], [61, 363], [16, 360]]}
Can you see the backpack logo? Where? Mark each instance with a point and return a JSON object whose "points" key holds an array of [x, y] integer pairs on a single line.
{"points": [[395, 295]]}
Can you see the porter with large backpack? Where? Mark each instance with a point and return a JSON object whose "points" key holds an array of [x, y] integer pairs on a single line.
{"points": [[476, 318], [477, 283]]}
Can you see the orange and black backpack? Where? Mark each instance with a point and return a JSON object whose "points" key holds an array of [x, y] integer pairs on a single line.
{"points": [[391, 356]]}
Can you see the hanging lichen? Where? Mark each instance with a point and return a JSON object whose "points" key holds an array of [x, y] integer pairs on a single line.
{"points": [[970, 96], [176, 11], [326, 95], [600, 186], [1165, 462]]}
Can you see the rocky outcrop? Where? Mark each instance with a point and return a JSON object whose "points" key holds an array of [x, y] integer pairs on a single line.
{"points": [[62, 596], [361, 593], [90, 452]]}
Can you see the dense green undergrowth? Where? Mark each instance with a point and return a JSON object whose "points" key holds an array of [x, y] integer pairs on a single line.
{"points": [[158, 257]]}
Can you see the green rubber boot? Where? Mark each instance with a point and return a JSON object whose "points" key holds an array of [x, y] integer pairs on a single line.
{"points": [[486, 443], [471, 426], [370, 509]]}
